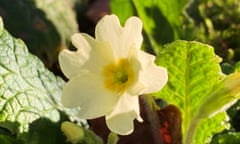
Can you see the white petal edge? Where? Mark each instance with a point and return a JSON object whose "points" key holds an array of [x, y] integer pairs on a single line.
{"points": [[70, 62], [132, 34], [109, 30], [87, 92], [152, 76], [120, 38], [100, 54], [120, 120], [82, 45]]}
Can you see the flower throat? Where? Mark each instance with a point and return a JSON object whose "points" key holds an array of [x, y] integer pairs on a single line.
{"points": [[118, 76]]}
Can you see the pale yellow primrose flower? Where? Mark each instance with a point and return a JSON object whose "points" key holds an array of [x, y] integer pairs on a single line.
{"points": [[108, 73]]}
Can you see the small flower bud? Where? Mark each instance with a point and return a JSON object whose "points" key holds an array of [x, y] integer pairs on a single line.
{"points": [[73, 132]]}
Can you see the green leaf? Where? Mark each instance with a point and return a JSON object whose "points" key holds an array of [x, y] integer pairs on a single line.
{"points": [[227, 68], [223, 95], [209, 127], [8, 140], [194, 71], [28, 90], [227, 138], [162, 20], [237, 67], [44, 131], [123, 9]]}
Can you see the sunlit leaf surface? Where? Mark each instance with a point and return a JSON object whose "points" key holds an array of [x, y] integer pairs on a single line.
{"points": [[27, 89], [193, 70]]}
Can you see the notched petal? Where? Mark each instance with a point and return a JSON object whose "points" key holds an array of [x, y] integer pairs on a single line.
{"points": [[122, 123], [70, 62], [152, 76], [87, 91], [120, 120], [132, 33], [83, 46], [108, 29]]}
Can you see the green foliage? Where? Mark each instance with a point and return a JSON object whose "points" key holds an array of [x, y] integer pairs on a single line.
{"points": [[217, 23], [117, 7], [9, 140], [44, 25], [227, 138], [194, 71], [162, 20], [44, 131], [209, 127], [223, 95]]}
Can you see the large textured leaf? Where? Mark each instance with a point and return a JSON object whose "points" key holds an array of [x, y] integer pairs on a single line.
{"points": [[27, 89], [194, 71]]}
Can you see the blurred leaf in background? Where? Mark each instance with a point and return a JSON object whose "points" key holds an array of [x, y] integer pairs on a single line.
{"points": [[218, 24], [45, 25], [162, 20], [227, 138]]}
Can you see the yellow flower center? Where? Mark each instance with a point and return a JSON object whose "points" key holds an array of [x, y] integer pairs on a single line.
{"points": [[118, 76]]}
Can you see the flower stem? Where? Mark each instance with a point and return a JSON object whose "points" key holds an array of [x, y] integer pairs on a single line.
{"points": [[112, 138], [149, 108]]}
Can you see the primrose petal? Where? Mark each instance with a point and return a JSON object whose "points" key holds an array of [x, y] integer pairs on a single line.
{"points": [[108, 73]]}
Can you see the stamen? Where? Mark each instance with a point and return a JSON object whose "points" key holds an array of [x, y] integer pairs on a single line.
{"points": [[119, 76]]}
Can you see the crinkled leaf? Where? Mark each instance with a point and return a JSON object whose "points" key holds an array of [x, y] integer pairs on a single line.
{"points": [[223, 95], [209, 127], [28, 90], [193, 70]]}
